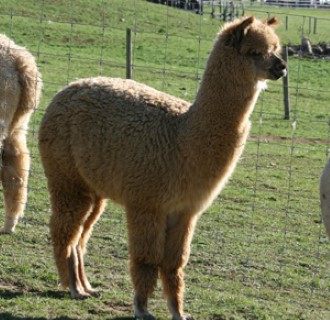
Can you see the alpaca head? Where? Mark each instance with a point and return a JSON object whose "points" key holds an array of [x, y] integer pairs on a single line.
{"points": [[256, 43]]}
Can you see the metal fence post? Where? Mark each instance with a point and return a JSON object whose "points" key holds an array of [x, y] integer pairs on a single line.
{"points": [[129, 65]]}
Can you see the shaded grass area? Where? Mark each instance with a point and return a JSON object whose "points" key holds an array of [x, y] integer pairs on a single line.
{"points": [[259, 252]]}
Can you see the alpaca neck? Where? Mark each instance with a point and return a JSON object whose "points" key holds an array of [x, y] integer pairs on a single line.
{"points": [[223, 105], [225, 93], [215, 130]]}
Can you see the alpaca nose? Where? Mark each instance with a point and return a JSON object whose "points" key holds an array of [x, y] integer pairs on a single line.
{"points": [[281, 66]]}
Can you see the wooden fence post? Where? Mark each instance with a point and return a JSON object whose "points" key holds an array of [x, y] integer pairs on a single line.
{"points": [[286, 23], [286, 97], [315, 24], [129, 65]]}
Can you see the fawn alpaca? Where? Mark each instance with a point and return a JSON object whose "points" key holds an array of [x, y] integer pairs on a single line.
{"points": [[163, 159], [325, 196], [20, 90]]}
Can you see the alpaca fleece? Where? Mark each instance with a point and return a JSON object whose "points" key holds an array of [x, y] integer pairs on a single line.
{"points": [[20, 90], [325, 196], [163, 159]]}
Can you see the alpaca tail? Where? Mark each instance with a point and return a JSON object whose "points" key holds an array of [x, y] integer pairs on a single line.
{"points": [[30, 82], [325, 197]]}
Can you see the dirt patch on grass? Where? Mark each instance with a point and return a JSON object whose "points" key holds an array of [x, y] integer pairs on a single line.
{"points": [[295, 140]]}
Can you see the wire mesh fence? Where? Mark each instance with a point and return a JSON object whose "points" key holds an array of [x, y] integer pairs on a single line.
{"points": [[260, 251]]}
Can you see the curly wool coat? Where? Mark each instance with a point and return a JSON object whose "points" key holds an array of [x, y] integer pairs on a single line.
{"points": [[20, 91], [160, 157]]}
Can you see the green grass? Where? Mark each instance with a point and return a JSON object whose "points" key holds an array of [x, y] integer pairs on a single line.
{"points": [[260, 251]]}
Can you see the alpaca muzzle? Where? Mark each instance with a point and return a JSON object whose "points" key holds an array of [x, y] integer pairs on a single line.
{"points": [[278, 69]]}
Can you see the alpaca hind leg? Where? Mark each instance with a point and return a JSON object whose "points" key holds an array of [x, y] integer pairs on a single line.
{"points": [[82, 274], [98, 208], [76, 287], [70, 209], [177, 250], [146, 233], [14, 177]]}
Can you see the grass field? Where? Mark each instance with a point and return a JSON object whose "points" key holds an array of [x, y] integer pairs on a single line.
{"points": [[260, 251]]}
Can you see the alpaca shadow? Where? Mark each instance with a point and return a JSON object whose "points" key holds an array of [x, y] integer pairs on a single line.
{"points": [[54, 294], [8, 295], [9, 316]]}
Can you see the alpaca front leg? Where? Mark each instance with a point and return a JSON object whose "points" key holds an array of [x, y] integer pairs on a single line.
{"points": [[144, 279], [177, 250], [146, 234], [173, 281], [14, 177]]}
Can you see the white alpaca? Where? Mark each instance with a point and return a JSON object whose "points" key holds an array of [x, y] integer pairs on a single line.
{"points": [[161, 158], [325, 196], [20, 90]]}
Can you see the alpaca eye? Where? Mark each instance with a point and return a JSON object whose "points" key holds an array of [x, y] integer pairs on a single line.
{"points": [[255, 54]]}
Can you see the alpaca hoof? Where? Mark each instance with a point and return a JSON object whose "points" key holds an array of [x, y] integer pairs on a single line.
{"points": [[80, 295], [146, 316], [9, 225], [94, 293], [185, 317], [6, 231]]}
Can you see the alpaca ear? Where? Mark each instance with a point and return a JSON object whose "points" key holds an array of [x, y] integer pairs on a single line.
{"points": [[273, 21], [241, 30]]}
